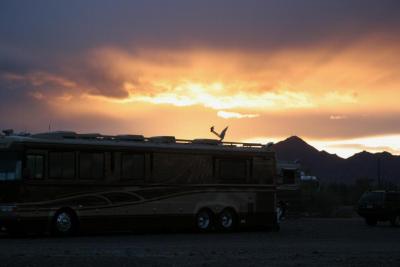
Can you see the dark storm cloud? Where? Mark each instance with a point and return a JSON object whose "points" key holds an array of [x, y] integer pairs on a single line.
{"points": [[18, 110], [70, 26], [12, 66], [45, 34]]}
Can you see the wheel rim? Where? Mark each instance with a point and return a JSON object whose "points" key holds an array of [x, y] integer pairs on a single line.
{"points": [[226, 220], [63, 222], [203, 220]]}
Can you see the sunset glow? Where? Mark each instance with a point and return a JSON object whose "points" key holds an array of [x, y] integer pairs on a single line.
{"points": [[338, 91]]}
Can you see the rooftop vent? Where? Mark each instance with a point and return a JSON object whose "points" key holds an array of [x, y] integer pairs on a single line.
{"points": [[8, 132], [162, 139], [56, 135], [212, 142], [269, 145], [129, 138], [90, 136]]}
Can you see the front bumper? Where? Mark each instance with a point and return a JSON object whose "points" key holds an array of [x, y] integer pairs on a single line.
{"points": [[11, 219]]}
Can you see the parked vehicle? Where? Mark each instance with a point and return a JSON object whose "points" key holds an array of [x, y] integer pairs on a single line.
{"points": [[375, 206]]}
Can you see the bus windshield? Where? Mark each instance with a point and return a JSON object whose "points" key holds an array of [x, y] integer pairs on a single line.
{"points": [[10, 167]]}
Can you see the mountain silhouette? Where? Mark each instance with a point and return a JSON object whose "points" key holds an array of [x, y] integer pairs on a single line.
{"points": [[330, 168]]}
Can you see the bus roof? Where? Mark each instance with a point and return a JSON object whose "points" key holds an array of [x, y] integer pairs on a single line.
{"points": [[138, 141]]}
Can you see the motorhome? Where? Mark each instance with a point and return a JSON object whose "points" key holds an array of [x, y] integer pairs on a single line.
{"points": [[65, 182]]}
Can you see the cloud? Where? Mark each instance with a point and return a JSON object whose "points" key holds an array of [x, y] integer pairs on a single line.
{"points": [[191, 96], [340, 97], [235, 115], [253, 24], [291, 90], [37, 95], [361, 147], [337, 117], [102, 47], [38, 79]]}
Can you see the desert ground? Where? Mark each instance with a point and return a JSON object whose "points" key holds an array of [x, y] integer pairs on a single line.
{"points": [[300, 242]]}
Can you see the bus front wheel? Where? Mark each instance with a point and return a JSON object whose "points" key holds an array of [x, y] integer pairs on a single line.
{"points": [[65, 223]]}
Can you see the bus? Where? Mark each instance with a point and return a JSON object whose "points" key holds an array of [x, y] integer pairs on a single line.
{"points": [[65, 182]]}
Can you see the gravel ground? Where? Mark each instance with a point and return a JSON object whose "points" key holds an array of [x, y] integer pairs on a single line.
{"points": [[301, 242]]}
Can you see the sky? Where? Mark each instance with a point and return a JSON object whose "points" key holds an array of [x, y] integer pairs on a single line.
{"points": [[327, 71]]}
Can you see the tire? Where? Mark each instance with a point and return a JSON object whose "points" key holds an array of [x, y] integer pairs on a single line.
{"points": [[227, 220], [395, 222], [64, 223], [371, 221], [204, 220]]}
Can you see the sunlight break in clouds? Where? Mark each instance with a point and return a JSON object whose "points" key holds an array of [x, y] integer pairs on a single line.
{"points": [[337, 117], [202, 96], [213, 79], [235, 115], [323, 78]]}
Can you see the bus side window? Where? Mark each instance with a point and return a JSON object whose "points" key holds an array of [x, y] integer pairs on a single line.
{"points": [[35, 166], [61, 165], [91, 166], [233, 170], [133, 167]]}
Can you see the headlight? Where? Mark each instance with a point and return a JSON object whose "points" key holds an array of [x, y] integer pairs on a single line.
{"points": [[8, 208]]}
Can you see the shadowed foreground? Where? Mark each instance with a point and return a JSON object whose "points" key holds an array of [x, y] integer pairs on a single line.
{"points": [[300, 242]]}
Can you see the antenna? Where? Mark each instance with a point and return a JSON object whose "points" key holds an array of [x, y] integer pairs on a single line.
{"points": [[220, 135]]}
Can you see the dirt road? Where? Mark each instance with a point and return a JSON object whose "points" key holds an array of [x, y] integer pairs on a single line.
{"points": [[301, 242]]}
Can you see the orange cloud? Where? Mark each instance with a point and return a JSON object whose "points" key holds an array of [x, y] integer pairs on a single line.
{"points": [[235, 115], [337, 117], [325, 77]]}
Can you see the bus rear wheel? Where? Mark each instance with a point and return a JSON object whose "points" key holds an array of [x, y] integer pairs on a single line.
{"points": [[227, 220], [204, 220], [64, 223]]}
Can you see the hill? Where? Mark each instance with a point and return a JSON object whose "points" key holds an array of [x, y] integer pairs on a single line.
{"points": [[331, 168]]}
